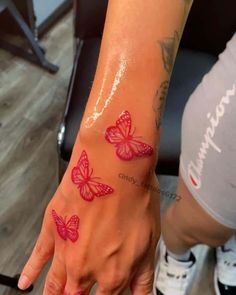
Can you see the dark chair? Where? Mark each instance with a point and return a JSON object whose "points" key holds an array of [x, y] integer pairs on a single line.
{"points": [[37, 54], [210, 25], [12, 282]]}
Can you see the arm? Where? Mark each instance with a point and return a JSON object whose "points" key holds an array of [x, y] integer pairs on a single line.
{"points": [[138, 51], [102, 225]]}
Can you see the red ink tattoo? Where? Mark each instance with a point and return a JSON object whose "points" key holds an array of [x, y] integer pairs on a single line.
{"points": [[88, 186], [127, 146], [67, 229]]}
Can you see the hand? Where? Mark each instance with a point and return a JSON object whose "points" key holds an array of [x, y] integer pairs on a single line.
{"points": [[109, 240]]}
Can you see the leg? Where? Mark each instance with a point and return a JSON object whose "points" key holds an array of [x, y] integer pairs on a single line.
{"points": [[205, 213], [186, 224]]}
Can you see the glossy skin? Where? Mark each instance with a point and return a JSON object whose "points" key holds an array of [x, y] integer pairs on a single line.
{"points": [[118, 232]]}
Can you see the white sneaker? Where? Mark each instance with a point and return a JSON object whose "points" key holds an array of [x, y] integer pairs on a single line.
{"points": [[225, 272], [173, 277]]}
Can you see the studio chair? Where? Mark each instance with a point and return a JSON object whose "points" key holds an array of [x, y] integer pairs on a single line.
{"points": [[12, 283], [37, 54], [210, 25]]}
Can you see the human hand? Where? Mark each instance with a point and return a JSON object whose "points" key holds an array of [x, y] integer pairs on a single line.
{"points": [[109, 239]]}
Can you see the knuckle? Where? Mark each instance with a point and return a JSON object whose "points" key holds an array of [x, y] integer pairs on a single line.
{"points": [[32, 268], [78, 276], [41, 252], [74, 274], [147, 278], [53, 286], [113, 282], [77, 267]]}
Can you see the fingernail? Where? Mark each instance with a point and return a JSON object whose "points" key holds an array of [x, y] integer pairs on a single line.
{"points": [[23, 282]]}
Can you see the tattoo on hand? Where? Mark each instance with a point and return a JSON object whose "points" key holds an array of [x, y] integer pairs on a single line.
{"points": [[67, 229], [159, 102], [122, 137], [168, 47], [88, 186]]}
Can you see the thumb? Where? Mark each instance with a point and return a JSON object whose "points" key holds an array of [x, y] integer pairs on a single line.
{"points": [[142, 283]]}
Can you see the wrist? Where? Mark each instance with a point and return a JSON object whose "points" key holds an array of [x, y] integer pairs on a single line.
{"points": [[106, 168]]}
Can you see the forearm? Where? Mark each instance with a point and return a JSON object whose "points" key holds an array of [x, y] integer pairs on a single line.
{"points": [[138, 50]]}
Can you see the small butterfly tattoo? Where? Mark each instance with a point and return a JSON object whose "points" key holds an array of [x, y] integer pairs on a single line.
{"points": [[67, 229], [127, 145], [88, 186]]}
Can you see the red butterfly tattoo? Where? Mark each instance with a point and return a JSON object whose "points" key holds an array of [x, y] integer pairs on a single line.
{"points": [[126, 144], [88, 186], [67, 229]]}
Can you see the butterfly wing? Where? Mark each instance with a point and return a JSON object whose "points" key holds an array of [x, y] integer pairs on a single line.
{"points": [[86, 192], [140, 149], [119, 133], [113, 135], [60, 224], [81, 171], [124, 123], [72, 227], [124, 151], [99, 189]]}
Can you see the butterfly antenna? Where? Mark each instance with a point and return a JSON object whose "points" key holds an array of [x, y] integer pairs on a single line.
{"points": [[134, 131], [96, 177]]}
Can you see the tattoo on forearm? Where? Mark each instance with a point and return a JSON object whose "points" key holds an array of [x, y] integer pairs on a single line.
{"points": [[126, 144], [159, 102], [168, 47]]}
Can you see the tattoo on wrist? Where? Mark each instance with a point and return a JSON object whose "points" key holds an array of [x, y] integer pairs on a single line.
{"points": [[87, 185], [122, 137], [168, 48], [67, 229], [159, 102]]}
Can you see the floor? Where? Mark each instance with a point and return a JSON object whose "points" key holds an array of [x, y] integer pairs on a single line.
{"points": [[31, 104]]}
